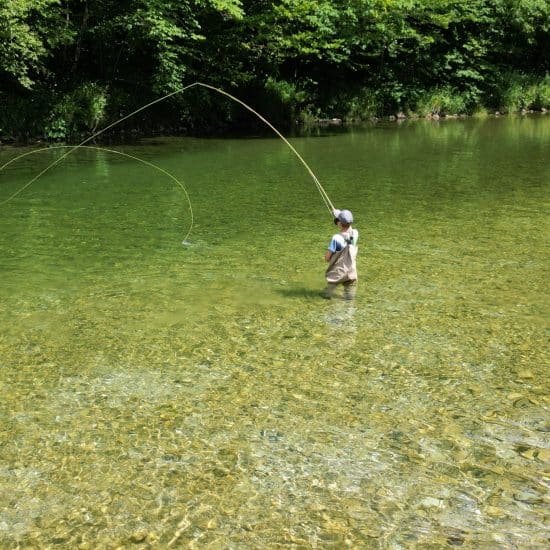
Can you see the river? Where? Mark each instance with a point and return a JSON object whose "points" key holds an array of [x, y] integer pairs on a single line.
{"points": [[203, 393]]}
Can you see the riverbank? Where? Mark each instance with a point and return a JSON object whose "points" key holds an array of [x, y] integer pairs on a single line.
{"points": [[400, 117], [124, 136]]}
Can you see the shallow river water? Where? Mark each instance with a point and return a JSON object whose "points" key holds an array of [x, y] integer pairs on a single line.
{"points": [[206, 396]]}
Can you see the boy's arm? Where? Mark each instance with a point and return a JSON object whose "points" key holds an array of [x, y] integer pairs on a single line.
{"points": [[332, 248]]}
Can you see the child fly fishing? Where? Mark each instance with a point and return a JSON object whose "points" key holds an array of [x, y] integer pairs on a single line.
{"points": [[341, 257]]}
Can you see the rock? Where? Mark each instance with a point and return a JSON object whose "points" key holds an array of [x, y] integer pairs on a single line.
{"points": [[138, 536], [527, 497], [431, 502], [514, 396], [526, 374], [332, 121], [529, 453], [495, 512]]}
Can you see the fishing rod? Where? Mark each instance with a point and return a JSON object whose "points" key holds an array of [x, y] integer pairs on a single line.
{"points": [[322, 192], [320, 188]]}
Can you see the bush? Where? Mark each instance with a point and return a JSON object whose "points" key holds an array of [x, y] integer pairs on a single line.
{"points": [[363, 106], [80, 110], [350, 104], [542, 100], [512, 93], [286, 100], [516, 91], [442, 101]]}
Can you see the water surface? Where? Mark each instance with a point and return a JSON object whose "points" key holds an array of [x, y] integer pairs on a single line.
{"points": [[206, 395]]}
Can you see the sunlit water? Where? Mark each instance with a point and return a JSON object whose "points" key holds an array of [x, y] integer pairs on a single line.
{"points": [[206, 395]]}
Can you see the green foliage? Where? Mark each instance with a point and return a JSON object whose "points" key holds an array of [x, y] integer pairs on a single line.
{"points": [[520, 34], [354, 105], [285, 92], [80, 110], [542, 100], [515, 91], [442, 101], [292, 59], [228, 8], [307, 30], [364, 106], [28, 34], [283, 102]]}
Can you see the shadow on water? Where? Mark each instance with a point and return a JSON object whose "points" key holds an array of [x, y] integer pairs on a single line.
{"points": [[301, 292]]}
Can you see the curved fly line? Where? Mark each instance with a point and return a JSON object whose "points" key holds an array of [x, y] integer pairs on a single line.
{"points": [[178, 182], [72, 148]]}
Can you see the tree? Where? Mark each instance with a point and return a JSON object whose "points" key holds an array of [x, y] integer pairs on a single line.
{"points": [[29, 33]]}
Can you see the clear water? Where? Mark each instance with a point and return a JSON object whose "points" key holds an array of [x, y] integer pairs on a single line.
{"points": [[205, 395]]}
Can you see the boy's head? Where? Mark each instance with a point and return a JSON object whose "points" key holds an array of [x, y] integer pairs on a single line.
{"points": [[345, 217]]}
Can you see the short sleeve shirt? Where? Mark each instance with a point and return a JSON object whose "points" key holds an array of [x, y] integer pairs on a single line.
{"points": [[338, 241]]}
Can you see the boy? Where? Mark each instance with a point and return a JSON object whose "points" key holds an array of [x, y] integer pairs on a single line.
{"points": [[341, 257]]}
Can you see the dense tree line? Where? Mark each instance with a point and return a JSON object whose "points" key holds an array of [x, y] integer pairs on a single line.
{"points": [[67, 66]]}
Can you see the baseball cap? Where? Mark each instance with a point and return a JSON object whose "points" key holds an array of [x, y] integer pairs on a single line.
{"points": [[343, 216]]}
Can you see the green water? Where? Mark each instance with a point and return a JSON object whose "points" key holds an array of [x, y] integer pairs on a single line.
{"points": [[206, 396]]}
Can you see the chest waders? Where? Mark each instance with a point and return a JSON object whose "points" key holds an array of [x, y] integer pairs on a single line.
{"points": [[342, 267]]}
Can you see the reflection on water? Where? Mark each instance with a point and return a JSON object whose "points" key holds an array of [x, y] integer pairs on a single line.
{"points": [[207, 395]]}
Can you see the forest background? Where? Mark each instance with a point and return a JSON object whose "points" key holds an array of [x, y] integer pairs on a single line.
{"points": [[70, 66]]}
